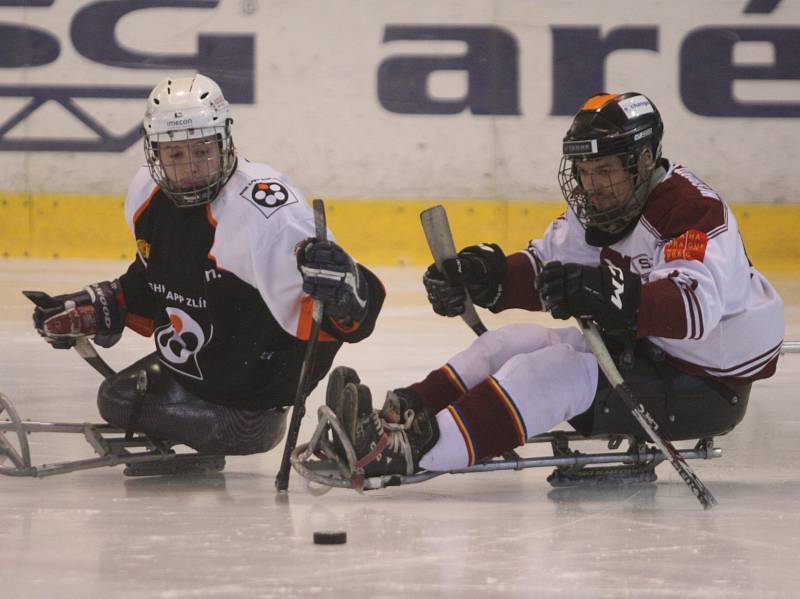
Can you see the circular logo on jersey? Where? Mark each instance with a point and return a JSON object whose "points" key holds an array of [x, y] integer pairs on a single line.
{"points": [[181, 339], [269, 194]]}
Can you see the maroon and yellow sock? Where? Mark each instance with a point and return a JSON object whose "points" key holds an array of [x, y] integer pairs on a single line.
{"points": [[439, 389], [489, 421]]}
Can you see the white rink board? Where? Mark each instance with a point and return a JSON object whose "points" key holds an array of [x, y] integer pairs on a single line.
{"points": [[317, 115]]}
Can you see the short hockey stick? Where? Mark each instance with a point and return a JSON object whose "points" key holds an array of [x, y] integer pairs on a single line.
{"points": [[82, 345], [299, 409], [643, 417], [440, 241]]}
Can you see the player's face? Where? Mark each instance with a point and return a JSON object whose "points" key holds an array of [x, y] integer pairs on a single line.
{"points": [[606, 182], [192, 163]]}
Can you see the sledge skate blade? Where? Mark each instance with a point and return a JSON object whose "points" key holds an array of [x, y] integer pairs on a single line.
{"points": [[610, 475], [177, 465]]}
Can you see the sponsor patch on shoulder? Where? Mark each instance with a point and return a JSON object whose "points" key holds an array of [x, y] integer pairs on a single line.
{"points": [[268, 193], [689, 246]]}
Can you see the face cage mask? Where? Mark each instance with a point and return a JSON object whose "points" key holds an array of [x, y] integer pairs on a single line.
{"points": [[611, 220], [202, 192]]}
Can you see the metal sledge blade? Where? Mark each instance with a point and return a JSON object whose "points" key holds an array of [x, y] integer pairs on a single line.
{"points": [[178, 465], [565, 477]]}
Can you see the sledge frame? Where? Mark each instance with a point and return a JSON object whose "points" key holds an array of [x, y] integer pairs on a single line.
{"points": [[318, 461], [112, 445]]}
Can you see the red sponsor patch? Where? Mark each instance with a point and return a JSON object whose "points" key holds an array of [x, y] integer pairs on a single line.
{"points": [[689, 246]]}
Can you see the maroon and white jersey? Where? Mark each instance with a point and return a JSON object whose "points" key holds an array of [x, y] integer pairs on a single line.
{"points": [[702, 302]]}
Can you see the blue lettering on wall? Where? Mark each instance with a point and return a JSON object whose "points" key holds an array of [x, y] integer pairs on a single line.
{"points": [[579, 60], [229, 59], [708, 72], [490, 63]]}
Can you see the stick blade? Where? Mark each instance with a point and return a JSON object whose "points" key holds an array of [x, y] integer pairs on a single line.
{"points": [[320, 220], [437, 233]]}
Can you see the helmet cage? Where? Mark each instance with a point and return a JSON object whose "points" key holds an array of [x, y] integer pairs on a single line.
{"points": [[203, 189], [628, 147]]}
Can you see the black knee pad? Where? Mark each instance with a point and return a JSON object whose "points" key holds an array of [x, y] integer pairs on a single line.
{"points": [[155, 404], [118, 395], [684, 406]]}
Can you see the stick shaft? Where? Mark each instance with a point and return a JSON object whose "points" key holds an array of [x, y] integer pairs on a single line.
{"points": [[299, 407], [642, 416]]}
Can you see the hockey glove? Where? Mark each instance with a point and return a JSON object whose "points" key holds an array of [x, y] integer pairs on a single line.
{"points": [[331, 276], [446, 298], [479, 268], [606, 294], [98, 310]]}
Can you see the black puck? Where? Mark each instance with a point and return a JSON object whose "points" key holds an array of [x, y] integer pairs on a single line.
{"points": [[330, 537]]}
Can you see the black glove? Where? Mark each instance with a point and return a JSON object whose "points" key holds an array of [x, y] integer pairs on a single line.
{"points": [[479, 268], [606, 294], [331, 276], [98, 310], [446, 298]]}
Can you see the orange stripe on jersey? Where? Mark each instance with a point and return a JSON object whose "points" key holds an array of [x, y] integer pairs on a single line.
{"points": [[516, 417], [142, 208], [598, 101], [453, 378], [462, 427], [210, 216], [305, 321], [140, 324]]}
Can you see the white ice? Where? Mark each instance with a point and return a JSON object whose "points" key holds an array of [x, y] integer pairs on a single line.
{"points": [[97, 533]]}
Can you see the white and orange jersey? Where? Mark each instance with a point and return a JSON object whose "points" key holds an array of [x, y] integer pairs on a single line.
{"points": [[219, 285], [702, 302]]}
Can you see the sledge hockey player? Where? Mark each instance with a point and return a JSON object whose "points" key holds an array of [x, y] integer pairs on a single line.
{"points": [[224, 276], [647, 251]]}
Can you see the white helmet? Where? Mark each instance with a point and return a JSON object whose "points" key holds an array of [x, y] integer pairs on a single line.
{"points": [[193, 117]]}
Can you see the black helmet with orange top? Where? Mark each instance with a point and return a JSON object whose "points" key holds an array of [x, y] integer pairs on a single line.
{"points": [[624, 125]]}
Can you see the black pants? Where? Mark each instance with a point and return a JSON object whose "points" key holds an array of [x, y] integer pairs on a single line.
{"points": [[683, 405], [166, 411]]}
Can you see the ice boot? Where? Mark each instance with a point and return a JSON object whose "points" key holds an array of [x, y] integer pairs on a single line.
{"points": [[389, 441], [337, 379]]}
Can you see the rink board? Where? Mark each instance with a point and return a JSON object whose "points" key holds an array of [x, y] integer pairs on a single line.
{"points": [[378, 232]]}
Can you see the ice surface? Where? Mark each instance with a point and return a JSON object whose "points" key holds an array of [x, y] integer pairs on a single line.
{"points": [[97, 533]]}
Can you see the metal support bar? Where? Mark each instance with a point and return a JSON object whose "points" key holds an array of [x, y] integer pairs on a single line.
{"points": [[107, 441], [317, 462]]}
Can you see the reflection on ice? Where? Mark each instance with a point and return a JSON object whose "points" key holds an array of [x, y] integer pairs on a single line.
{"points": [[98, 533]]}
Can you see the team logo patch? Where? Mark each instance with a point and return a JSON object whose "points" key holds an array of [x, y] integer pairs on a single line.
{"points": [[179, 341], [267, 193], [689, 246]]}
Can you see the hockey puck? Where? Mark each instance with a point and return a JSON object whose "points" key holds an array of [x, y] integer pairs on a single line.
{"points": [[330, 537]]}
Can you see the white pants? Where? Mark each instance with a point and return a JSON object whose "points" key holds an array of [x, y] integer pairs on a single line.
{"points": [[550, 375]]}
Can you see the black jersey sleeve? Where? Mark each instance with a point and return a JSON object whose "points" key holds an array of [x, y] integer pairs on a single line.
{"points": [[139, 299], [363, 328]]}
